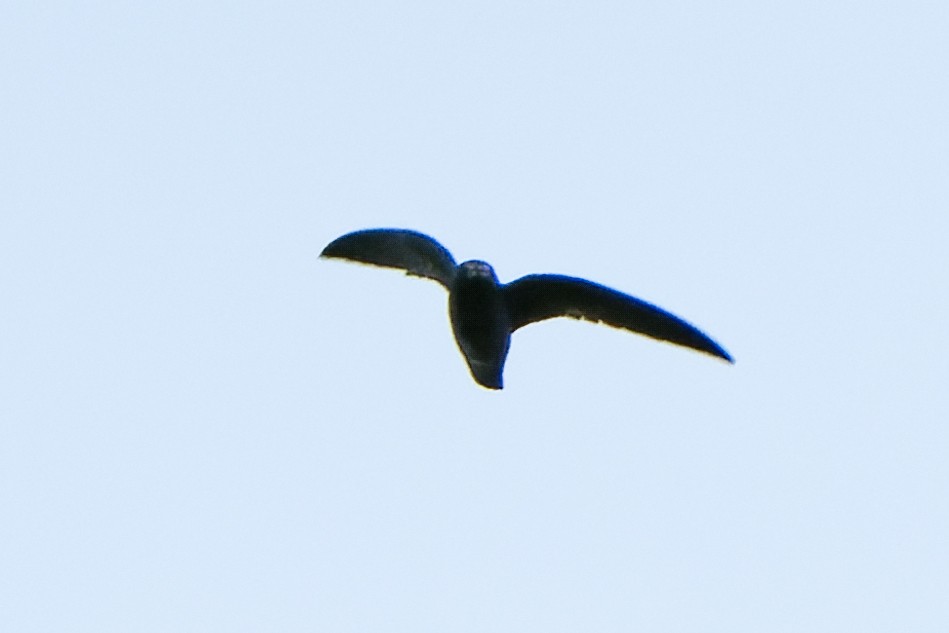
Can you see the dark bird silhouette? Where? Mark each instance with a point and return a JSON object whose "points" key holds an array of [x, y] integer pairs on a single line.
{"points": [[484, 313]]}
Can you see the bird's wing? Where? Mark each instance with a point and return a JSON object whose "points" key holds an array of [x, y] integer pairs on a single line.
{"points": [[415, 253], [538, 297]]}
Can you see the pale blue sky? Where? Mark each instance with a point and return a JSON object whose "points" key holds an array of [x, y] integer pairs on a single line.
{"points": [[204, 427]]}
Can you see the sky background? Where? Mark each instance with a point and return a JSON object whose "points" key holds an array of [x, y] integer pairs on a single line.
{"points": [[204, 427]]}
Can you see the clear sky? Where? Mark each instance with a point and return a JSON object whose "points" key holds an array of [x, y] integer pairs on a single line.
{"points": [[204, 427]]}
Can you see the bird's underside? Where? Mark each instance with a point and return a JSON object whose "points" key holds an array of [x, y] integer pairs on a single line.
{"points": [[485, 313]]}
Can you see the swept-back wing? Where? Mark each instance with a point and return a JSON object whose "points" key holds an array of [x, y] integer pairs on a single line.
{"points": [[415, 253], [538, 297]]}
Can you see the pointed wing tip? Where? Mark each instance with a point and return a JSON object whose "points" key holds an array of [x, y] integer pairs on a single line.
{"points": [[327, 255], [335, 249], [327, 251]]}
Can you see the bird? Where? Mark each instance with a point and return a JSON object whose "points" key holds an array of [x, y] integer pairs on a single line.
{"points": [[484, 312]]}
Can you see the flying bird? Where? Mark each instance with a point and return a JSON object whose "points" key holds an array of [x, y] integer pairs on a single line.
{"points": [[484, 313]]}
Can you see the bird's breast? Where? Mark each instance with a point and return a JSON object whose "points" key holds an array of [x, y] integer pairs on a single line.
{"points": [[479, 320]]}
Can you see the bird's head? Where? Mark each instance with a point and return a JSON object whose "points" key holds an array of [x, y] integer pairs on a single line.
{"points": [[475, 269]]}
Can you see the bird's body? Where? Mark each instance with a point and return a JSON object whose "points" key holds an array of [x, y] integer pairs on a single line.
{"points": [[484, 313], [480, 321]]}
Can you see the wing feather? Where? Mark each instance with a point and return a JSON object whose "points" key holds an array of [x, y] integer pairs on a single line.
{"points": [[537, 297], [415, 253]]}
